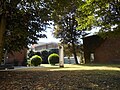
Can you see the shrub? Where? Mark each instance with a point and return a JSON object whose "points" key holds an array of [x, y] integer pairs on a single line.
{"points": [[51, 51], [28, 62], [53, 59], [44, 55], [37, 53], [36, 60], [31, 53]]}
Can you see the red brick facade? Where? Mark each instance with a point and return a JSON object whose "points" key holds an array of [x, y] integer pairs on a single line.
{"points": [[17, 57], [104, 50], [108, 51]]}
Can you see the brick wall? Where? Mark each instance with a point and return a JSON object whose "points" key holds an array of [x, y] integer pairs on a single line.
{"points": [[90, 44], [17, 56], [108, 51]]}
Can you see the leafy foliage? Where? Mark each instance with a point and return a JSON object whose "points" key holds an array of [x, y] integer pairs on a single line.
{"points": [[24, 22], [66, 30], [61, 8], [101, 13], [53, 59], [51, 51], [69, 51], [31, 53], [44, 55], [36, 60]]}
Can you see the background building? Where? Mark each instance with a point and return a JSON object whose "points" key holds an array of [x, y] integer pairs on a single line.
{"points": [[16, 58], [99, 50], [42, 46]]}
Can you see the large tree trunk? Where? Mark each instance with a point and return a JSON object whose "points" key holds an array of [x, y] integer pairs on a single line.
{"points": [[75, 56], [2, 30], [74, 53]]}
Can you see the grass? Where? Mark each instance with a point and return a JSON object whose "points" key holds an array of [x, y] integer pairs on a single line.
{"points": [[97, 65], [71, 77], [72, 67]]}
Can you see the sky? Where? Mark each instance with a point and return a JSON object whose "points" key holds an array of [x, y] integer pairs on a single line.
{"points": [[51, 38]]}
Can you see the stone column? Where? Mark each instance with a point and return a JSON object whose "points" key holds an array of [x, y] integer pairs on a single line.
{"points": [[61, 56]]}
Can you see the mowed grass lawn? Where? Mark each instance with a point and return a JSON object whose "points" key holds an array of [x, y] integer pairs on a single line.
{"points": [[71, 77]]}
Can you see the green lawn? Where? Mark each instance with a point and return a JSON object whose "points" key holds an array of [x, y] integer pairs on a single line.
{"points": [[69, 67], [71, 77]]}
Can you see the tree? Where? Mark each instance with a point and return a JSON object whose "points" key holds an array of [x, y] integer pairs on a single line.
{"points": [[62, 7], [24, 20], [44, 55], [100, 13], [22, 23], [66, 30], [104, 14], [68, 50]]}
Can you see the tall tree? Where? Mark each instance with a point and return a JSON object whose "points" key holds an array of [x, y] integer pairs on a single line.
{"points": [[68, 50], [22, 23], [65, 23], [66, 30], [24, 20], [62, 7]]}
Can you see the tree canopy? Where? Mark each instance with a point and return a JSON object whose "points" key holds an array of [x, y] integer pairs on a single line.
{"points": [[26, 19], [99, 13], [25, 22], [22, 22], [66, 31]]}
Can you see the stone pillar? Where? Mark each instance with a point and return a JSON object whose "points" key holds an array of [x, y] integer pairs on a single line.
{"points": [[61, 56]]}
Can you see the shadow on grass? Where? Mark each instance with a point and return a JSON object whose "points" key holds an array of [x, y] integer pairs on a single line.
{"points": [[71, 67], [60, 80], [98, 65]]}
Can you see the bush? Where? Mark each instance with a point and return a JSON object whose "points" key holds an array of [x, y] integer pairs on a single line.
{"points": [[51, 51], [53, 59], [44, 55], [37, 53], [35, 60], [31, 53]]}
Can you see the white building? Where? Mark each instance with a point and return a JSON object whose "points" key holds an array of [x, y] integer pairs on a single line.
{"points": [[41, 46]]}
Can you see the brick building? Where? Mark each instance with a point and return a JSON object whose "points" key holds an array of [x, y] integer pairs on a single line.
{"points": [[99, 50], [16, 58]]}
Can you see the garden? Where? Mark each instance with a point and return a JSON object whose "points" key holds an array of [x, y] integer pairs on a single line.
{"points": [[43, 57]]}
